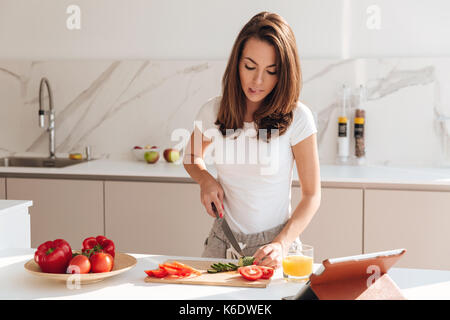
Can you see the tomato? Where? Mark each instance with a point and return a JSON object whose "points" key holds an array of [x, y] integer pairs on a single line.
{"points": [[251, 273], [101, 262], [79, 264], [267, 272]]}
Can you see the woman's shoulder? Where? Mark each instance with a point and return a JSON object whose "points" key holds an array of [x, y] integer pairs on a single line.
{"points": [[211, 106], [208, 111], [301, 108], [303, 123], [302, 112], [213, 102]]}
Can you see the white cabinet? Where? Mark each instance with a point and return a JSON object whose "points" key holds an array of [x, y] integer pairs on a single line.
{"points": [[156, 217], [2, 188], [67, 209], [418, 221], [336, 228], [14, 224]]}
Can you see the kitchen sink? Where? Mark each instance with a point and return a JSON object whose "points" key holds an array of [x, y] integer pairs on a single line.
{"points": [[38, 162]]}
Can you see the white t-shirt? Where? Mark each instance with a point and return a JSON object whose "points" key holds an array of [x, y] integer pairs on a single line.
{"points": [[256, 176]]}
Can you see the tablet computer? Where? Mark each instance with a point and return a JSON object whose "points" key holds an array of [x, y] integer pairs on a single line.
{"points": [[354, 277]]}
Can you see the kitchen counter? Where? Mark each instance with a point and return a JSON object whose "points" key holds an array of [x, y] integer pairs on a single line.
{"points": [[19, 284], [331, 175]]}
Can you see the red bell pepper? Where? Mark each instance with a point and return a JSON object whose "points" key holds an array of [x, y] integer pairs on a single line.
{"points": [[93, 245], [53, 256]]}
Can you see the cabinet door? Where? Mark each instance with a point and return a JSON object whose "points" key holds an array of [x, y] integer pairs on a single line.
{"points": [[156, 218], [2, 188], [418, 221], [336, 228], [67, 209]]}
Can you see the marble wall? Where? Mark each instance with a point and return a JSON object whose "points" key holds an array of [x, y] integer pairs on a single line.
{"points": [[114, 105]]}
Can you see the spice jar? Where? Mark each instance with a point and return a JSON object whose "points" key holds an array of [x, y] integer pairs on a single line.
{"points": [[360, 150]]}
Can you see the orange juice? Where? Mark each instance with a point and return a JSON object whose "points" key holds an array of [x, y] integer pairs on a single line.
{"points": [[297, 266]]}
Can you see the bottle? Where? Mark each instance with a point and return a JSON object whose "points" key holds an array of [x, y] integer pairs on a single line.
{"points": [[343, 145], [359, 121]]}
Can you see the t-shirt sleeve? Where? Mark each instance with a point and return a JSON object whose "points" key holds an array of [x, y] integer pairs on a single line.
{"points": [[303, 124], [206, 117]]}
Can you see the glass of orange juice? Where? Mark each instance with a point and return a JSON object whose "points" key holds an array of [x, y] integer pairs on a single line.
{"points": [[298, 262]]}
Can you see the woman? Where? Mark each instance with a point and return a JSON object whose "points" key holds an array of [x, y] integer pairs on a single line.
{"points": [[259, 105]]}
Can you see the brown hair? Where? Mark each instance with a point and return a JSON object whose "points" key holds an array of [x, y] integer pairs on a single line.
{"points": [[275, 111]]}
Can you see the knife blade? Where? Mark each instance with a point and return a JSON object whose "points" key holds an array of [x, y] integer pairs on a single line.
{"points": [[228, 233]]}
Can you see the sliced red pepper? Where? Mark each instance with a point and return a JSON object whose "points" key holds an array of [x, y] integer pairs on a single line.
{"points": [[157, 273], [149, 272], [170, 270], [183, 268]]}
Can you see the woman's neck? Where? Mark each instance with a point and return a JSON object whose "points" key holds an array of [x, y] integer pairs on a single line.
{"points": [[251, 108]]}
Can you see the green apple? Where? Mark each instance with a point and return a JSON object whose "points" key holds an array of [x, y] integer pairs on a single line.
{"points": [[171, 155], [151, 156]]}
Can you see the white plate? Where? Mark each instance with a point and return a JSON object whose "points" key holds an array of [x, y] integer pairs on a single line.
{"points": [[122, 262]]}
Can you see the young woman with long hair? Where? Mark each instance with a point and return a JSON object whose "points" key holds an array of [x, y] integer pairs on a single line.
{"points": [[258, 116]]}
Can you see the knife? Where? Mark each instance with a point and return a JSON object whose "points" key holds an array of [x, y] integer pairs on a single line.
{"points": [[226, 229]]}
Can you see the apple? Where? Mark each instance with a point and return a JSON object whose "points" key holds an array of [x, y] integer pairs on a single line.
{"points": [[151, 156], [137, 147], [171, 155]]}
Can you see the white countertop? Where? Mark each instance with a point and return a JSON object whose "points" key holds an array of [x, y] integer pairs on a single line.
{"points": [[6, 205], [331, 175], [16, 283]]}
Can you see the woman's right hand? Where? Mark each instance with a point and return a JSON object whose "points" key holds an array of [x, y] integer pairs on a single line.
{"points": [[211, 192]]}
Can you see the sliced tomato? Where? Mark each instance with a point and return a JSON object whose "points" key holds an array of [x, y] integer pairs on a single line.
{"points": [[157, 273], [251, 273], [267, 272]]}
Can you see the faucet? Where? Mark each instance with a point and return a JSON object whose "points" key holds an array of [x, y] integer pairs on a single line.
{"points": [[51, 115]]}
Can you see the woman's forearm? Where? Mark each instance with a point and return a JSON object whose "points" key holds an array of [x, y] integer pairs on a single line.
{"points": [[299, 220], [196, 168]]}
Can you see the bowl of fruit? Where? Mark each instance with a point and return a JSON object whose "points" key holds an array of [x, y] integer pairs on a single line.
{"points": [[96, 261]]}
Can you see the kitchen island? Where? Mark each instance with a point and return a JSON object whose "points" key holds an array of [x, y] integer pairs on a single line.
{"points": [[17, 283]]}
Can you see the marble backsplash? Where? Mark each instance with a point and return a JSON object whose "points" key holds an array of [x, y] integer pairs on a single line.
{"points": [[115, 105]]}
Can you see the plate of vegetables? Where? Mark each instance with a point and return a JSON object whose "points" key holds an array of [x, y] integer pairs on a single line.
{"points": [[96, 261]]}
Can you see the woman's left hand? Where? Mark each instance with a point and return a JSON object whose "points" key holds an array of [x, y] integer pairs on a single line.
{"points": [[269, 255]]}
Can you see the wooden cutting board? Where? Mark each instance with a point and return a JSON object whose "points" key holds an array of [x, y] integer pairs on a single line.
{"points": [[230, 278]]}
